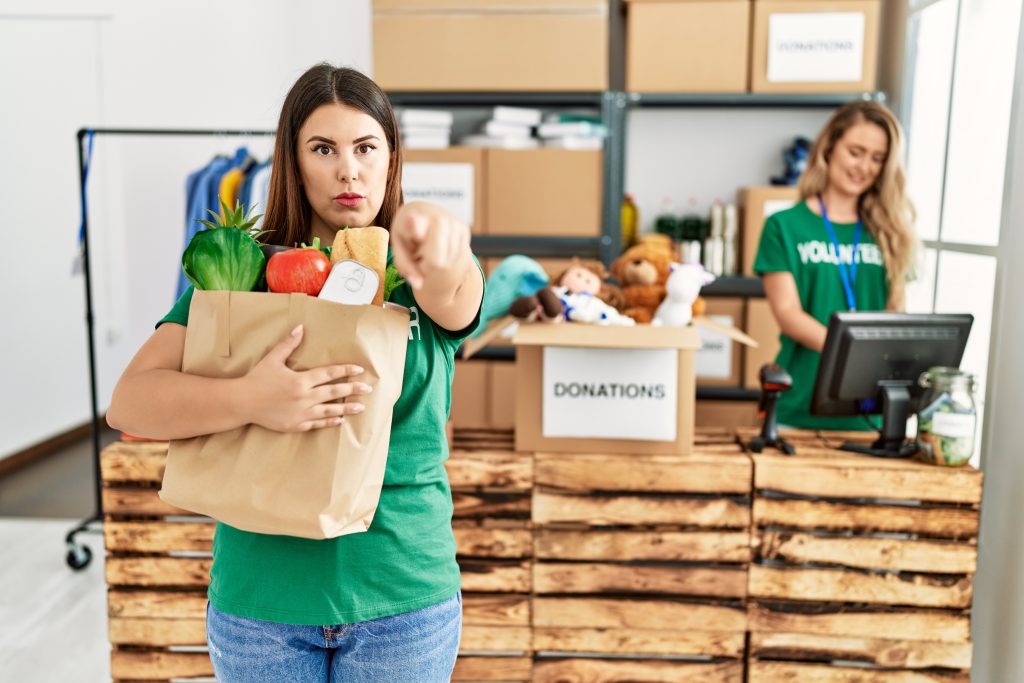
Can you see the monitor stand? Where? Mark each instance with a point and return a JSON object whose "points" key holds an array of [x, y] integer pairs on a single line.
{"points": [[895, 410]]}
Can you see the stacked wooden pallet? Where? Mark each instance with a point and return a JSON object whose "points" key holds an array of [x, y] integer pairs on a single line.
{"points": [[491, 490], [641, 565], [863, 567], [157, 568], [158, 564]]}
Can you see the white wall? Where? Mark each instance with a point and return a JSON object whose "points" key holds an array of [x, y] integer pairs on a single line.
{"points": [[998, 624], [185, 64], [707, 154]]}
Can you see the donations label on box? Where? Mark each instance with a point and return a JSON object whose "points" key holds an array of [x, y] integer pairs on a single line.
{"points": [[449, 185], [815, 47], [610, 393]]}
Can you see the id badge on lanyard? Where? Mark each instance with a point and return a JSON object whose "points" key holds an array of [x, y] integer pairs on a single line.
{"points": [[846, 275]]}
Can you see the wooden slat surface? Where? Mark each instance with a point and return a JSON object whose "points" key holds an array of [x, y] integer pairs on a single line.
{"points": [[141, 666], [592, 577], [156, 604], [496, 639], [859, 477], [479, 505], [639, 641], [634, 671], [124, 461], [956, 523], [158, 571], [696, 473], [596, 544], [492, 469], [791, 672], [502, 669], [937, 557], [831, 585], [892, 623], [481, 576], [595, 612], [889, 653], [119, 501], [605, 510]]}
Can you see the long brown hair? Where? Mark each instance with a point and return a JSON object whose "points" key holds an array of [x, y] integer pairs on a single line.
{"points": [[884, 207], [288, 217]]}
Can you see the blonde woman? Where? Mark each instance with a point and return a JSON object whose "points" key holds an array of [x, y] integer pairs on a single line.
{"points": [[849, 244]]}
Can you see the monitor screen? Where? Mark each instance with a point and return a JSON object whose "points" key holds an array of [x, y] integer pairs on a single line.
{"points": [[871, 363]]}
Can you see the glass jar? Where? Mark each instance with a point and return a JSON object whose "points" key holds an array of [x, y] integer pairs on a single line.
{"points": [[948, 419]]}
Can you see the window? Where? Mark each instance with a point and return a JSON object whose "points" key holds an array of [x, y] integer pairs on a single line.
{"points": [[956, 109]]}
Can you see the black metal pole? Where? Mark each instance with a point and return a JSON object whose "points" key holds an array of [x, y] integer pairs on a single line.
{"points": [[91, 334]]}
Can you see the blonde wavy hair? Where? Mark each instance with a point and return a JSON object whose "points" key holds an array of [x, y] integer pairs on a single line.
{"points": [[885, 209]]}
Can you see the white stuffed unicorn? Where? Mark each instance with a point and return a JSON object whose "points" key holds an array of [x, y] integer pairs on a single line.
{"points": [[681, 290]]}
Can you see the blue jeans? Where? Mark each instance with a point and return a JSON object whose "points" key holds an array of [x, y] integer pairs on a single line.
{"points": [[418, 646]]}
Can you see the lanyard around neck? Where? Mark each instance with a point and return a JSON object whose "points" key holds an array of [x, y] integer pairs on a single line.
{"points": [[847, 276]]}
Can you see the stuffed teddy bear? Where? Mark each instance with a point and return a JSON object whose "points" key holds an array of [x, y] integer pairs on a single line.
{"points": [[642, 271], [578, 295], [682, 293]]}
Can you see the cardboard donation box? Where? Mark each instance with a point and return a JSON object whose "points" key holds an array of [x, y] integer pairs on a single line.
{"points": [[814, 46], [543, 192], [596, 389], [452, 178], [759, 203], [318, 484], [688, 45], [491, 45]]}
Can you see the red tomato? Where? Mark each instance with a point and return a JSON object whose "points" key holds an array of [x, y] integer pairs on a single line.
{"points": [[298, 270]]}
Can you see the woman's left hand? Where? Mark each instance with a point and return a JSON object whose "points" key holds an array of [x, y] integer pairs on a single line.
{"points": [[429, 245]]}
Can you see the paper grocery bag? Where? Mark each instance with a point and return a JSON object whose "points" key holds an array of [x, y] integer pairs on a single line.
{"points": [[318, 484]]}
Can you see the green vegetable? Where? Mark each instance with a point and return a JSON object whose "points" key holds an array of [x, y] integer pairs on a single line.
{"points": [[225, 256], [392, 280]]}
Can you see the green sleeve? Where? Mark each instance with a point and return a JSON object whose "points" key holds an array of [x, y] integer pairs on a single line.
{"points": [[772, 255], [179, 312]]}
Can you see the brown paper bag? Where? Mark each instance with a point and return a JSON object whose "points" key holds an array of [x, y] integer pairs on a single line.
{"points": [[318, 484]]}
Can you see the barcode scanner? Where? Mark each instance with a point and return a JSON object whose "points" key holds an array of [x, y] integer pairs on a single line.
{"points": [[774, 380]]}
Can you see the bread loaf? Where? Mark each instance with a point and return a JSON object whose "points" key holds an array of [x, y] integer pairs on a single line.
{"points": [[368, 246]]}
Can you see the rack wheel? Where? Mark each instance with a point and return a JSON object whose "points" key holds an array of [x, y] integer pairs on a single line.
{"points": [[79, 556]]}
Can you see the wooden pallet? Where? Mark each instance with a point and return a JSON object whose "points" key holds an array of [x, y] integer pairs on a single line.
{"points": [[159, 557], [862, 568], [492, 487], [641, 565]]}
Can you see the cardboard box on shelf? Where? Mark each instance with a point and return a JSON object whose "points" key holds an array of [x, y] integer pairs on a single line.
{"points": [[543, 192], [491, 45], [761, 326], [470, 394], [688, 45], [452, 177], [757, 203], [585, 388], [804, 46], [719, 361], [726, 414], [502, 389]]}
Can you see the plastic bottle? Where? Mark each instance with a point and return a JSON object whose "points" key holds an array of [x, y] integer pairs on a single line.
{"points": [[630, 221], [729, 235]]}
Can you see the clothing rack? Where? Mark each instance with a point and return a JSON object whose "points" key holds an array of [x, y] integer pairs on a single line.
{"points": [[79, 555]]}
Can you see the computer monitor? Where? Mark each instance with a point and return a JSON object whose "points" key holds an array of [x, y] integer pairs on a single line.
{"points": [[871, 363]]}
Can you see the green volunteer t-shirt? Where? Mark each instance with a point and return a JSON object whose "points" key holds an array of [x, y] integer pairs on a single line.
{"points": [[796, 241], [406, 559]]}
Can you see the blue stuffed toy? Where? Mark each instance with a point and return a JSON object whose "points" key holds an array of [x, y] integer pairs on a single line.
{"points": [[514, 277], [795, 157]]}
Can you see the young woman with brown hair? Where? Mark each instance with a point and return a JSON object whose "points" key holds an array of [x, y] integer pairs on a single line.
{"points": [[385, 604]]}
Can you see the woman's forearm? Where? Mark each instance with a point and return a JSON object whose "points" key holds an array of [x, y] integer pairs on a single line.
{"points": [[168, 404], [803, 329]]}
